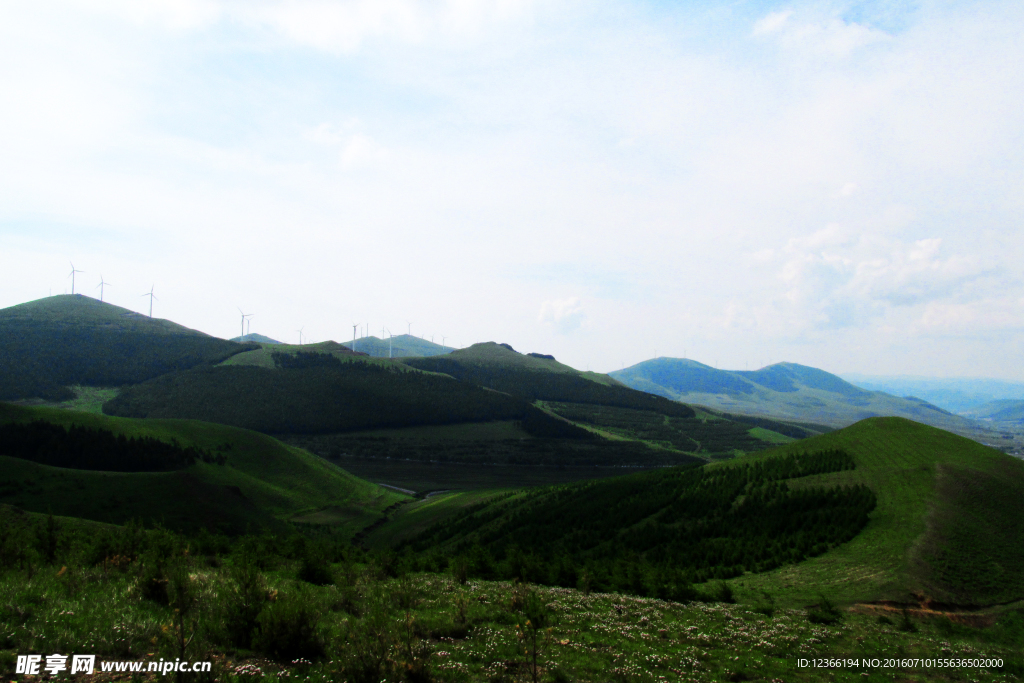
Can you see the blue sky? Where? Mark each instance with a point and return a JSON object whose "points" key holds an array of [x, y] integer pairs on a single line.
{"points": [[835, 184]]}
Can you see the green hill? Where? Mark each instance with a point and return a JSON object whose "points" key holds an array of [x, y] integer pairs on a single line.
{"points": [[786, 391], [318, 393], [257, 338], [536, 377], [887, 509], [399, 346], [262, 483], [49, 344]]}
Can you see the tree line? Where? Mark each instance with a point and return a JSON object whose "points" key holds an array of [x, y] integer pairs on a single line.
{"points": [[85, 448]]}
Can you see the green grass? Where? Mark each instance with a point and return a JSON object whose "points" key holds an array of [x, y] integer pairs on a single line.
{"points": [[769, 436], [86, 400], [413, 518], [263, 478]]}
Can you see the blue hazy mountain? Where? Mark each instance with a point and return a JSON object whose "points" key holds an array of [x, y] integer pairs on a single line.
{"points": [[955, 394], [784, 391]]}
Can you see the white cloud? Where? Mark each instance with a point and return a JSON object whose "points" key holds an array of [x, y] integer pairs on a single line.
{"points": [[772, 23], [565, 315], [342, 26], [489, 139]]}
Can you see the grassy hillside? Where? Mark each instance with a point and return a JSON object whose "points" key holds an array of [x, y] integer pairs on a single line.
{"points": [[534, 377], [943, 529], [319, 393], [262, 483], [944, 526], [65, 340], [786, 391]]}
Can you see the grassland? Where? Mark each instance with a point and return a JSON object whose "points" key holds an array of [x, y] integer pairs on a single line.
{"points": [[263, 480], [369, 627]]}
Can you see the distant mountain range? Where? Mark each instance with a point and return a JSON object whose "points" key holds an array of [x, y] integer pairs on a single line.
{"points": [[783, 391], [1003, 410], [955, 394]]}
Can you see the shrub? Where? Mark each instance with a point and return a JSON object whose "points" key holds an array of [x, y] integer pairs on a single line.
{"points": [[905, 623], [825, 612], [766, 605], [721, 592], [245, 597], [286, 629], [315, 569], [460, 570]]}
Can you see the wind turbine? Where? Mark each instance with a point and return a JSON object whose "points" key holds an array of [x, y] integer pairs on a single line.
{"points": [[300, 334], [103, 284], [390, 337], [151, 297], [244, 316], [247, 323], [355, 326], [410, 328], [72, 274], [443, 347]]}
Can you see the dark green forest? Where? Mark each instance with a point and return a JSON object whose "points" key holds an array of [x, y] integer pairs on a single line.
{"points": [[656, 533], [83, 448]]}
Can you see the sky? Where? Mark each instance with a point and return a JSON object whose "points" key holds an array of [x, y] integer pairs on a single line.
{"points": [[837, 184]]}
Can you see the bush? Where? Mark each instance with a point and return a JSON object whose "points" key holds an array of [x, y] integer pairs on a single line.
{"points": [[722, 592], [825, 612], [906, 624], [286, 629], [460, 570], [245, 597], [766, 605], [315, 569]]}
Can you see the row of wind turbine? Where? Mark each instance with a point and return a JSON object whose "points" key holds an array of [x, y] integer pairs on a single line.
{"points": [[104, 284]]}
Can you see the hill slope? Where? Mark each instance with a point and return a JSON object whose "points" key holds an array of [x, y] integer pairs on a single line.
{"points": [[1003, 410], [535, 377], [943, 524], [399, 346], [52, 343], [319, 393], [783, 390], [262, 482]]}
